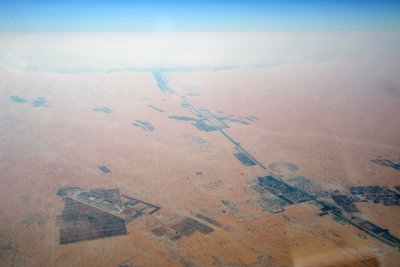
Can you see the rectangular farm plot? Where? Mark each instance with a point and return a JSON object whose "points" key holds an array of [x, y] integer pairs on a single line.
{"points": [[81, 222]]}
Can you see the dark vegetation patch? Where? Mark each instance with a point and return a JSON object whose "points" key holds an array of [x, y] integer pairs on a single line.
{"points": [[185, 103], [282, 190], [104, 169], [64, 190], [239, 120], [188, 226], [208, 219], [292, 195], [346, 203], [244, 159], [159, 231], [102, 109], [38, 102], [193, 94], [97, 213], [306, 185], [156, 108], [18, 99], [181, 118], [377, 194], [162, 82], [254, 117], [203, 125], [212, 119], [387, 163], [242, 120], [226, 202], [81, 222], [10, 255], [146, 126], [127, 263], [6, 245]]}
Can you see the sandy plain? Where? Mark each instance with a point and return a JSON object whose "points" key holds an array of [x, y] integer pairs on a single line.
{"points": [[325, 102]]}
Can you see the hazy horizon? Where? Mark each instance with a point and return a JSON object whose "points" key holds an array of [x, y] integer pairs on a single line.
{"points": [[85, 52]]}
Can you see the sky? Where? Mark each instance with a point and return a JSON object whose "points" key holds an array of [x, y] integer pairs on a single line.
{"points": [[201, 15]]}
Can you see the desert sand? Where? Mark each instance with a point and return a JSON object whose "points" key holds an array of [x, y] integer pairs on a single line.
{"points": [[318, 105]]}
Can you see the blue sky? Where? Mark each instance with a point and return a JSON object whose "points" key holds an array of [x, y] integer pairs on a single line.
{"points": [[189, 15]]}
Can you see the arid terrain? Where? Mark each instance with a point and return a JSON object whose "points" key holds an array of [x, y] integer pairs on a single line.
{"points": [[200, 149]]}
